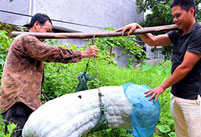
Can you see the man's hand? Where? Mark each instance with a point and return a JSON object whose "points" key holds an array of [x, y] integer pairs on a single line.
{"points": [[130, 28], [92, 51], [155, 92]]}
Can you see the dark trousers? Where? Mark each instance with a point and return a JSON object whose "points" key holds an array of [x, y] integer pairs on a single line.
{"points": [[17, 114]]}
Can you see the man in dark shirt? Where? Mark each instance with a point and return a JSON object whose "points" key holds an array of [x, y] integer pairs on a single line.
{"points": [[23, 71], [186, 78]]}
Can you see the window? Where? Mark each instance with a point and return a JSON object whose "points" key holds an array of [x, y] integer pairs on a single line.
{"points": [[158, 53]]}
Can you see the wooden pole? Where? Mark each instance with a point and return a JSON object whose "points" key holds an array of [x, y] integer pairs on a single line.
{"points": [[97, 34]]}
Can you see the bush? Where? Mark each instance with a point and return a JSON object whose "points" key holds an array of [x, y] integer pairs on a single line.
{"points": [[5, 43]]}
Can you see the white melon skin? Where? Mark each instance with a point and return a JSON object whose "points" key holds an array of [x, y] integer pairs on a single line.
{"points": [[73, 115]]}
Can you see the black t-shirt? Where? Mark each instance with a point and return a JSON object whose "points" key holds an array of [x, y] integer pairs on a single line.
{"points": [[190, 86]]}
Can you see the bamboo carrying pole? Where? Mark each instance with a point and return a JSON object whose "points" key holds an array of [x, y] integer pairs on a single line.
{"points": [[97, 34]]}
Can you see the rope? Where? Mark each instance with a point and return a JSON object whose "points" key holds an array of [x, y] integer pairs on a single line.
{"points": [[87, 66], [102, 122], [102, 106], [99, 93], [92, 41]]}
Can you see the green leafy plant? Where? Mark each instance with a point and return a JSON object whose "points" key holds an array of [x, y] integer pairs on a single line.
{"points": [[164, 128], [130, 47], [11, 128], [9, 28], [4, 46]]}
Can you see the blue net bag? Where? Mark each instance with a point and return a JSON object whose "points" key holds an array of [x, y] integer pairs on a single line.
{"points": [[145, 113]]}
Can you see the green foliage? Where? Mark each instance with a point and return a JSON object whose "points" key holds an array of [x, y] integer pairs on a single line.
{"points": [[1, 125], [5, 43], [134, 51], [116, 132], [9, 28], [164, 128], [198, 9], [11, 128], [161, 11]]}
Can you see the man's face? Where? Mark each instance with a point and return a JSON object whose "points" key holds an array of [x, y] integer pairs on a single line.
{"points": [[181, 17], [46, 27]]}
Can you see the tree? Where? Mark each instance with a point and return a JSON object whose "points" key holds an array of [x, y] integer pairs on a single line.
{"points": [[161, 15], [161, 11]]}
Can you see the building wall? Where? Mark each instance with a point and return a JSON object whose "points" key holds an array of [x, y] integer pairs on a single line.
{"points": [[19, 6], [96, 14]]}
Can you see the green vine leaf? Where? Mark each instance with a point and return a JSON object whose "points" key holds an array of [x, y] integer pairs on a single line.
{"points": [[164, 128]]}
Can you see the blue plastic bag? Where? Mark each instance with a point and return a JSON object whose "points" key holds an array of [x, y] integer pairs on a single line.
{"points": [[145, 113]]}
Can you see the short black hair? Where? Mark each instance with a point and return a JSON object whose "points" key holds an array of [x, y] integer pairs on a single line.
{"points": [[41, 18], [184, 4]]}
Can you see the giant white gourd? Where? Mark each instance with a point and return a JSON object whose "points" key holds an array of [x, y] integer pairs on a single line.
{"points": [[73, 115]]}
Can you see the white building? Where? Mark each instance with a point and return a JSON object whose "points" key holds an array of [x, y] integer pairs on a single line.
{"points": [[73, 15]]}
